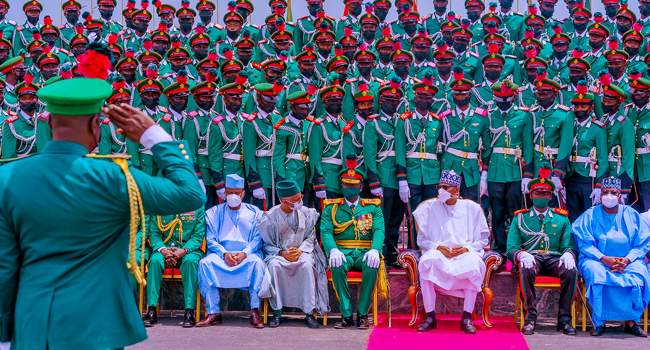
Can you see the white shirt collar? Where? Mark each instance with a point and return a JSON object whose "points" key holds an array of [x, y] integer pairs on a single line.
{"points": [[230, 115], [351, 204], [460, 112], [420, 116], [505, 14], [152, 112], [177, 116], [293, 119], [361, 120], [505, 112], [583, 123], [537, 212]]}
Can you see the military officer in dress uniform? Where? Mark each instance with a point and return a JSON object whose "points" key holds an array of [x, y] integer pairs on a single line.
{"points": [[306, 26], [134, 38], [228, 37], [14, 71], [205, 10], [598, 34], [632, 44], [106, 9], [365, 62], [369, 27], [352, 232], [353, 10], [72, 11], [541, 243], [7, 26], [186, 17], [178, 58], [23, 34], [639, 112], [150, 90], [579, 69], [384, 47], [558, 68], [245, 49], [625, 19], [303, 75], [166, 13], [18, 130], [421, 48], [127, 13], [147, 58], [432, 23], [353, 132], [173, 118], [513, 21], [199, 44], [417, 134], [465, 58], [110, 142], [278, 9]]}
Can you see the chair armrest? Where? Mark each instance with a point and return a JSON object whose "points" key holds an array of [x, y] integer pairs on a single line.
{"points": [[410, 259], [492, 261]]}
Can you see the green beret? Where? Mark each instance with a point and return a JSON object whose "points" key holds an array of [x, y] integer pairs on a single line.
{"points": [[287, 188], [75, 97]]}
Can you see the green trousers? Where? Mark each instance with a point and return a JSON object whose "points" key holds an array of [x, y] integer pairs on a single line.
{"points": [[189, 266], [353, 262]]}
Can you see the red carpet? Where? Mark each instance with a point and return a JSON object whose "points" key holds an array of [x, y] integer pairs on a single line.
{"points": [[503, 335]]}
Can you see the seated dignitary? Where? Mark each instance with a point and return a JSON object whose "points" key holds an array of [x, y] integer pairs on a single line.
{"points": [[176, 241], [295, 265], [613, 240], [540, 240], [452, 233], [234, 257], [352, 232]]}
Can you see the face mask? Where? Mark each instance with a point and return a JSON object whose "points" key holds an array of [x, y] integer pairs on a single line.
{"points": [[267, 107], [324, 52], [440, 9], [201, 54], [129, 24], [334, 108], [308, 72], [48, 74], [381, 14], [504, 106], [639, 102], [3, 60], [21, 75], [205, 105], [645, 10], [368, 35], [531, 78], [234, 200], [141, 27], [313, 9], [595, 45], [342, 78], [230, 78], [245, 58], [609, 200], [580, 26], [610, 11], [547, 13], [384, 57], [609, 109], [560, 54], [178, 107], [355, 11], [389, 107], [234, 107], [350, 192], [615, 71], [448, 40], [50, 41], [151, 103], [460, 47], [177, 67], [506, 5], [632, 51], [410, 29], [299, 115], [364, 71], [472, 15], [106, 13], [232, 34], [581, 115], [185, 26], [271, 79], [420, 55], [462, 102], [423, 105], [2, 16], [444, 70], [32, 20], [242, 11], [129, 78], [78, 52], [622, 28], [72, 18], [349, 55], [546, 102], [28, 107], [161, 50], [366, 112], [296, 206], [541, 202], [575, 79], [443, 195], [402, 71], [538, 32], [205, 16], [492, 75]]}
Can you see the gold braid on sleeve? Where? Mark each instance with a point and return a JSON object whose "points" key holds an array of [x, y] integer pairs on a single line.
{"points": [[171, 227], [338, 228]]}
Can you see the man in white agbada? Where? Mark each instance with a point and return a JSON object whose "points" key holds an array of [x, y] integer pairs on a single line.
{"points": [[295, 273], [452, 233], [234, 257]]}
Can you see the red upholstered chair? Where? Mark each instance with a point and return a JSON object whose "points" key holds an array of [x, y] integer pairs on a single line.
{"points": [[546, 282], [409, 259]]}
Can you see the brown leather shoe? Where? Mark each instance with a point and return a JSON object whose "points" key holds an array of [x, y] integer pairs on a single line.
{"points": [[211, 320], [256, 321]]}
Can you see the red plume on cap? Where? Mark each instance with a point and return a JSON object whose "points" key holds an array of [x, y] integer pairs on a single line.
{"points": [[506, 88], [531, 52], [493, 7], [545, 172], [112, 39], [157, 4], [492, 29], [227, 53], [635, 74], [185, 5], [47, 49], [598, 17], [280, 24], [623, 7], [385, 32], [323, 28], [351, 163], [529, 33], [93, 64], [580, 4], [465, 24], [212, 56], [284, 56], [406, 9], [427, 80], [147, 45], [347, 31], [557, 29], [532, 9], [311, 89], [241, 78], [278, 86], [181, 78], [120, 84], [88, 16], [637, 26], [200, 28], [370, 8], [232, 6], [582, 88], [363, 86], [129, 53], [441, 45], [36, 36], [493, 48], [130, 5], [176, 43], [279, 10], [613, 44], [211, 75], [338, 50], [320, 14], [144, 4], [540, 74], [79, 29], [162, 26], [397, 46], [458, 76], [396, 83], [604, 78], [309, 47], [66, 73], [363, 47], [47, 20], [577, 52], [152, 73], [29, 78], [451, 16]]}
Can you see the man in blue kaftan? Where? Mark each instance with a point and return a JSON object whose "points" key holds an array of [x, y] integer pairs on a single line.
{"points": [[234, 257], [613, 240]]}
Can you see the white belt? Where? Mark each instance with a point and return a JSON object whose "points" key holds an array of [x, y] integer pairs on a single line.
{"points": [[644, 150], [546, 150], [386, 154], [203, 152], [264, 153], [233, 156], [508, 151], [147, 151], [587, 161], [334, 161], [466, 155], [298, 156], [422, 155]]}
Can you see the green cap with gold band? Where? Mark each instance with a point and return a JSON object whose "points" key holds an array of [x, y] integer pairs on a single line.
{"points": [[32, 5], [299, 97], [75, 97], [363, 94], [5, 4]]}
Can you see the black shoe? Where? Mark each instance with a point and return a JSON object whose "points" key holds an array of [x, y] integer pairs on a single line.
{"points": [[635, 331], [362, 321], [528, 328], [311, 322], [429, 322], [345, 323], [275, 321], [566, 328], [151, 318], [189, 320], [598, 331], [466, 324]]}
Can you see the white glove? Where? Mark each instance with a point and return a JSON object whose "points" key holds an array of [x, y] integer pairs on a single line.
{"points": [[92, 37], [258, 193], [595, 196], [524, 185], [377, 192], [336, 258], [526, 260], [568, 261], [202, 185], [623, 198], [321, 194], [373, 258], [222, 193], [483, 188], [404, 191], [558, 184], [5, 346]]}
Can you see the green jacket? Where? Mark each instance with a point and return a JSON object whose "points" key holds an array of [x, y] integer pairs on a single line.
{"points": [[620, 148], [556, 238], [18, 135], [304, 31], [353, 140], [582, 41], [512, 133], [290, 160], [8, 27], [225, 148], [482, 96], [369, 225], [111, 27], [597, 61], [469, 61], [416, 148], [463, 136], [196, 134], [351, 88], [81, 238], [110, 142], [641, 119], [419, 71], [23, 35], [553, 136], [168, 78], [383, 72], [43, 131], [145, 160], [325, 152], [345, 21], [513, 22], [589, 141], [379, 151], [257, 145], [187, 234]]}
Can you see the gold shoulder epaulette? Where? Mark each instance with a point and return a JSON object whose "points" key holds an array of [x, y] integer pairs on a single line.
{"points": [[370, 201], [561, 211], [520, 211], [9, 160], [328, 201]]}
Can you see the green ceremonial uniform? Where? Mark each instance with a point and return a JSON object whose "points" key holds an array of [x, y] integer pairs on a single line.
{"points": [[636, 62], [169, 79], [513, 21], [379, 150], [383, 72], [43, 131], [257, 145], [556, 236], [432, 22], [559, 69], [589, 145], [510, 144], [67, 32], [620, 146], [188, 234], [110, 142], [553, 129], [8, 27], [345, 21], [111, 27], [225, 148], [641, 119], [366, 232], [290, 160], [579, 40], [324, 148], [418, 71], [23, 35], [597, 61], [482, 96], [469, 61], [18, 135], [351, 88], [353, 139], [196, 134], [418, 154], [145, 157]]}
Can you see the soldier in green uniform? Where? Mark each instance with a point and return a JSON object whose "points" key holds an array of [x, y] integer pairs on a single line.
{"points": [[369, 27], [18, 130], [324, 41], [301, 77], [280, 45], [50, 33], [465, 58], [72, 11], [173, 118], [580, 35], [617, 61], [278, 9], [186, 17], [166, 13], [433, 22], [7, 26], [42, 128], [149, 89], [474, 9], [444, 60], [632, 41], [511, 129], [134, 38], [178, 58], [384, 47], [230, 70], [48, 66], [352, 135], [598, 34], [409, 20], [94, 27], [639, 113], [644, 14], [541, 243], [526, 96], [401, 61], [353, 10], [625, 19], [620, 128], [160, 40], [199, 45], [307, 27], [257, 144], [396, 26], [492, 67], [513, 21], [352, 232], [176, 241], [110, 142], [13, 71], [6, 50], [205, 10], [234, 27], [106, 9], [579, 69], [365, 63], [78, 43], [349, 46], [23, 34], [381, 165], [421, 48], [417, 134], [558, 68], [547, 9], [127, 67], [127, 13], [245, 8], [245, 49], [146, 59], [464, 126], [611, 8]]}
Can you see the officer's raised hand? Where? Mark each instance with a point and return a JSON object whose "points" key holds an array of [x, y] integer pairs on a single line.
{"points": [[131, 122]]}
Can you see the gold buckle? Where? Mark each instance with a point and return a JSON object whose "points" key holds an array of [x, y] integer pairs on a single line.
{"points": [[574, 158], [241, 158], [506, 151], [303, 157], [422, 155], [464, 155]]}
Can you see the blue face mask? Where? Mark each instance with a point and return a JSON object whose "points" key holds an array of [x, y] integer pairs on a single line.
{"points": [[350, 192]]}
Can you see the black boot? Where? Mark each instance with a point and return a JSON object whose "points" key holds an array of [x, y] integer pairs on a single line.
{"points": [[635, 331], [189, 320], [362, 321], [151, 318], [566, 328], [275, 321], [466, 324], [429, 322], [311, 322], [345, 323]]}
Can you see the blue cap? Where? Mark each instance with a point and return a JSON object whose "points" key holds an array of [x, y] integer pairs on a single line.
{"points": [[234, 181], [611, 182], [450, 177]]}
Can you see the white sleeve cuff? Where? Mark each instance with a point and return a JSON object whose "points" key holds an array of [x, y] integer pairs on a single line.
{"points": [[154, 135]]}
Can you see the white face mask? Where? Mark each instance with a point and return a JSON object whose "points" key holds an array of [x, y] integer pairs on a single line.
{"points": [[443, 195], [296, 206], [234, 200], [609, 200]]}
